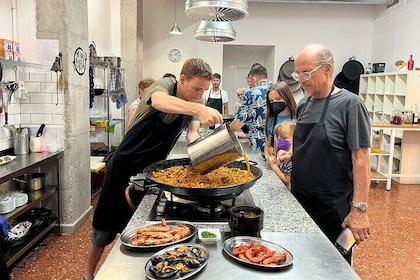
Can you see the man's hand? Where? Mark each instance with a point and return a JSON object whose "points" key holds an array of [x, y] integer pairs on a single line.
{"points": [[209, 116], [358, 222]]}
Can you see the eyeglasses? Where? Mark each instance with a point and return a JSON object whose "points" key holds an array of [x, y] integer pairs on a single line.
{"points": [[305, 75]]}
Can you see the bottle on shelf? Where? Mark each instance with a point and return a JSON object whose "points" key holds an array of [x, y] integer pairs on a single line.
{"points": [[410, 63], [376, 143], [369, 69], [415, 114]]}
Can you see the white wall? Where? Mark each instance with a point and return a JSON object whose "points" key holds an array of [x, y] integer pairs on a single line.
{"points": [[396, 33], [345, 28]]}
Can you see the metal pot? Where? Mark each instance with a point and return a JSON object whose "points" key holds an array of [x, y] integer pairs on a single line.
{"points": [[215, 149], [31, 181], [246, 219]]}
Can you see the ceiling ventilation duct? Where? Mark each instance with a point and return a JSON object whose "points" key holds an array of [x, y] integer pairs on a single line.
{"points": [[372, 2], [223, 10], [215, 31]]}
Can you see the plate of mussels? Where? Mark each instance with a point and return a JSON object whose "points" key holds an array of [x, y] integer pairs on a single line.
{"points": [[179, 261], [157, 236]]}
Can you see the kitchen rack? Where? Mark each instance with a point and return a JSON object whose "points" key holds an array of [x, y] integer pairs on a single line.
{"points": [[101, 109], [48, 163], [383, 93]]}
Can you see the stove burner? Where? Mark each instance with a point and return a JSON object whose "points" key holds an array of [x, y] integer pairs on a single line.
{"points": [[211, 209], [168, 206]]}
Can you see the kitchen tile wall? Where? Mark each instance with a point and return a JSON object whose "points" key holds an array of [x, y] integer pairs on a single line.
{"points": [[37, 105]]}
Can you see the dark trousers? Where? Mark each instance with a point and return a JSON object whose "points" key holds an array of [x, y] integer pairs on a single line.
{"points": [[4, 272]]}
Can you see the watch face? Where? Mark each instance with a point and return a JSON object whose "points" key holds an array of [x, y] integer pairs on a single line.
{"points": [[174, 55]]}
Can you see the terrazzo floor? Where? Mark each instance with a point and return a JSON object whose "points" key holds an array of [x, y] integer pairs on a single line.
{"points": [[391, 252]]}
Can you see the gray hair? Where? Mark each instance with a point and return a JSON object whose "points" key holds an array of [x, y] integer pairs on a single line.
{"points": [[322, 53]]}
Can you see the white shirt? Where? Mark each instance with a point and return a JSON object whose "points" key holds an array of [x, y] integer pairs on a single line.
{"points": [[215, 95]]}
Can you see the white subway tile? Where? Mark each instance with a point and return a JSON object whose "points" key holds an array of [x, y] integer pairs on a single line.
{"points": [[58, 119], [31, 108], [25, 118], [39, 77], [32, 87], [40, 98], [6, 143], [48, 87], [39, 118], [51, 109]]}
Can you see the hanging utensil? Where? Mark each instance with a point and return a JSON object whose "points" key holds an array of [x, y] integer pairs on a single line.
{"points": [[11, 87], [40, 130]]}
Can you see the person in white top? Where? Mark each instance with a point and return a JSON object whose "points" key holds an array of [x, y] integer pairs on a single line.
{"points": [[143, 87], [216, 97]]}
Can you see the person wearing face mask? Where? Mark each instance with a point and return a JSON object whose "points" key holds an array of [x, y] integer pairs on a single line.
{"points": [[281, 106], [283, 135]]}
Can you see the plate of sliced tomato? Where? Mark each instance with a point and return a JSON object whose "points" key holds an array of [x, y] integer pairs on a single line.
{"points": [[258, 253]]}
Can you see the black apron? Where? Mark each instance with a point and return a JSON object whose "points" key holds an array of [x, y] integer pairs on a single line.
{"points": [[216, 103], [148, 141], [319, 183]]}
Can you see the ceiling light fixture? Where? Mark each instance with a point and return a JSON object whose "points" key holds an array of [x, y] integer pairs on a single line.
{"points": [[223, 10], [175, 29], [215, 31]]}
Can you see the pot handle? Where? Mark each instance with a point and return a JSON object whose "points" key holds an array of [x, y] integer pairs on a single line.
{"points": [[127, 197], [20, 181]]}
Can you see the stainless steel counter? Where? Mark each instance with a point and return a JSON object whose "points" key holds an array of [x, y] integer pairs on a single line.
{"points": [[285, 223]]}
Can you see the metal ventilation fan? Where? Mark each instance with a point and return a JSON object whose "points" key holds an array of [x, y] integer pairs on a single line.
{"points": [[226, 10], [215, 31]]}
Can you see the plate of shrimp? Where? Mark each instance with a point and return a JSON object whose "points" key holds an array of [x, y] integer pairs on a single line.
{"points": [[157, 236], [258, 253]]}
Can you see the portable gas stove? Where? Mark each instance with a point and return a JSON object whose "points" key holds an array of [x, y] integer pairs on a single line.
{"points": [[168, 206]]}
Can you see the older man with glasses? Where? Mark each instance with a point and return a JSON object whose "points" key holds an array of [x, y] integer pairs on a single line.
{"points": [[331, 167]]}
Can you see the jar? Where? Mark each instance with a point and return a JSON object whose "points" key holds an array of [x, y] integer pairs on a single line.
{"points": [[408, 117], [396, 117], [376, 143]]}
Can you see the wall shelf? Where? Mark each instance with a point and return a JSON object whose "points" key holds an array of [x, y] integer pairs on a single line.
{"points": [[10, 64]]}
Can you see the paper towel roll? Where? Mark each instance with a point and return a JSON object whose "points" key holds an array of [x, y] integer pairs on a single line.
{"points": [[35, 144]]}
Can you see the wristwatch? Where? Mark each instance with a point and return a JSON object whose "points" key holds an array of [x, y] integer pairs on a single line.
{"points": [[359, 205]]}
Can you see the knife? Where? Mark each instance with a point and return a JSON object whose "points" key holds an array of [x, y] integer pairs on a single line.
{"points": [[41, 128]]}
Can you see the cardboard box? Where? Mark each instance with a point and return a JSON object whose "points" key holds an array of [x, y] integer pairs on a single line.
{"points": [[6, 45], [6, 55], [16, 47], [17, 57]]}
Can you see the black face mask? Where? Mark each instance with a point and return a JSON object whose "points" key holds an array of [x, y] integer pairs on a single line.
{"points": [[278, 107]]}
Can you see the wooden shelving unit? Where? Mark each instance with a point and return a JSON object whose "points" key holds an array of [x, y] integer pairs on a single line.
{"points": [[383, 93]]}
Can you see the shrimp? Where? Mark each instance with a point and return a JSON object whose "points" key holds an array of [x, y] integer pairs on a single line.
{"points": [[258, 253], [153, 228], [179, 231], [240, 249], [242, 257], [276, 259], [158, 238]]}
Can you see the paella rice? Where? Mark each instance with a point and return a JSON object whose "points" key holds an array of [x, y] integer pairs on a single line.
{"points": [[188, 177]]}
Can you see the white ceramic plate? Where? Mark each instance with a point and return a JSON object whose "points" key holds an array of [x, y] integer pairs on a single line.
{"points": [[162, 255], [246, 240], [6, 159]]}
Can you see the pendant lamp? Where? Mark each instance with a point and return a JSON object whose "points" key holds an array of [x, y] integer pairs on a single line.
{"points": [[215, 31], [175, 29], [218, 10]]}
